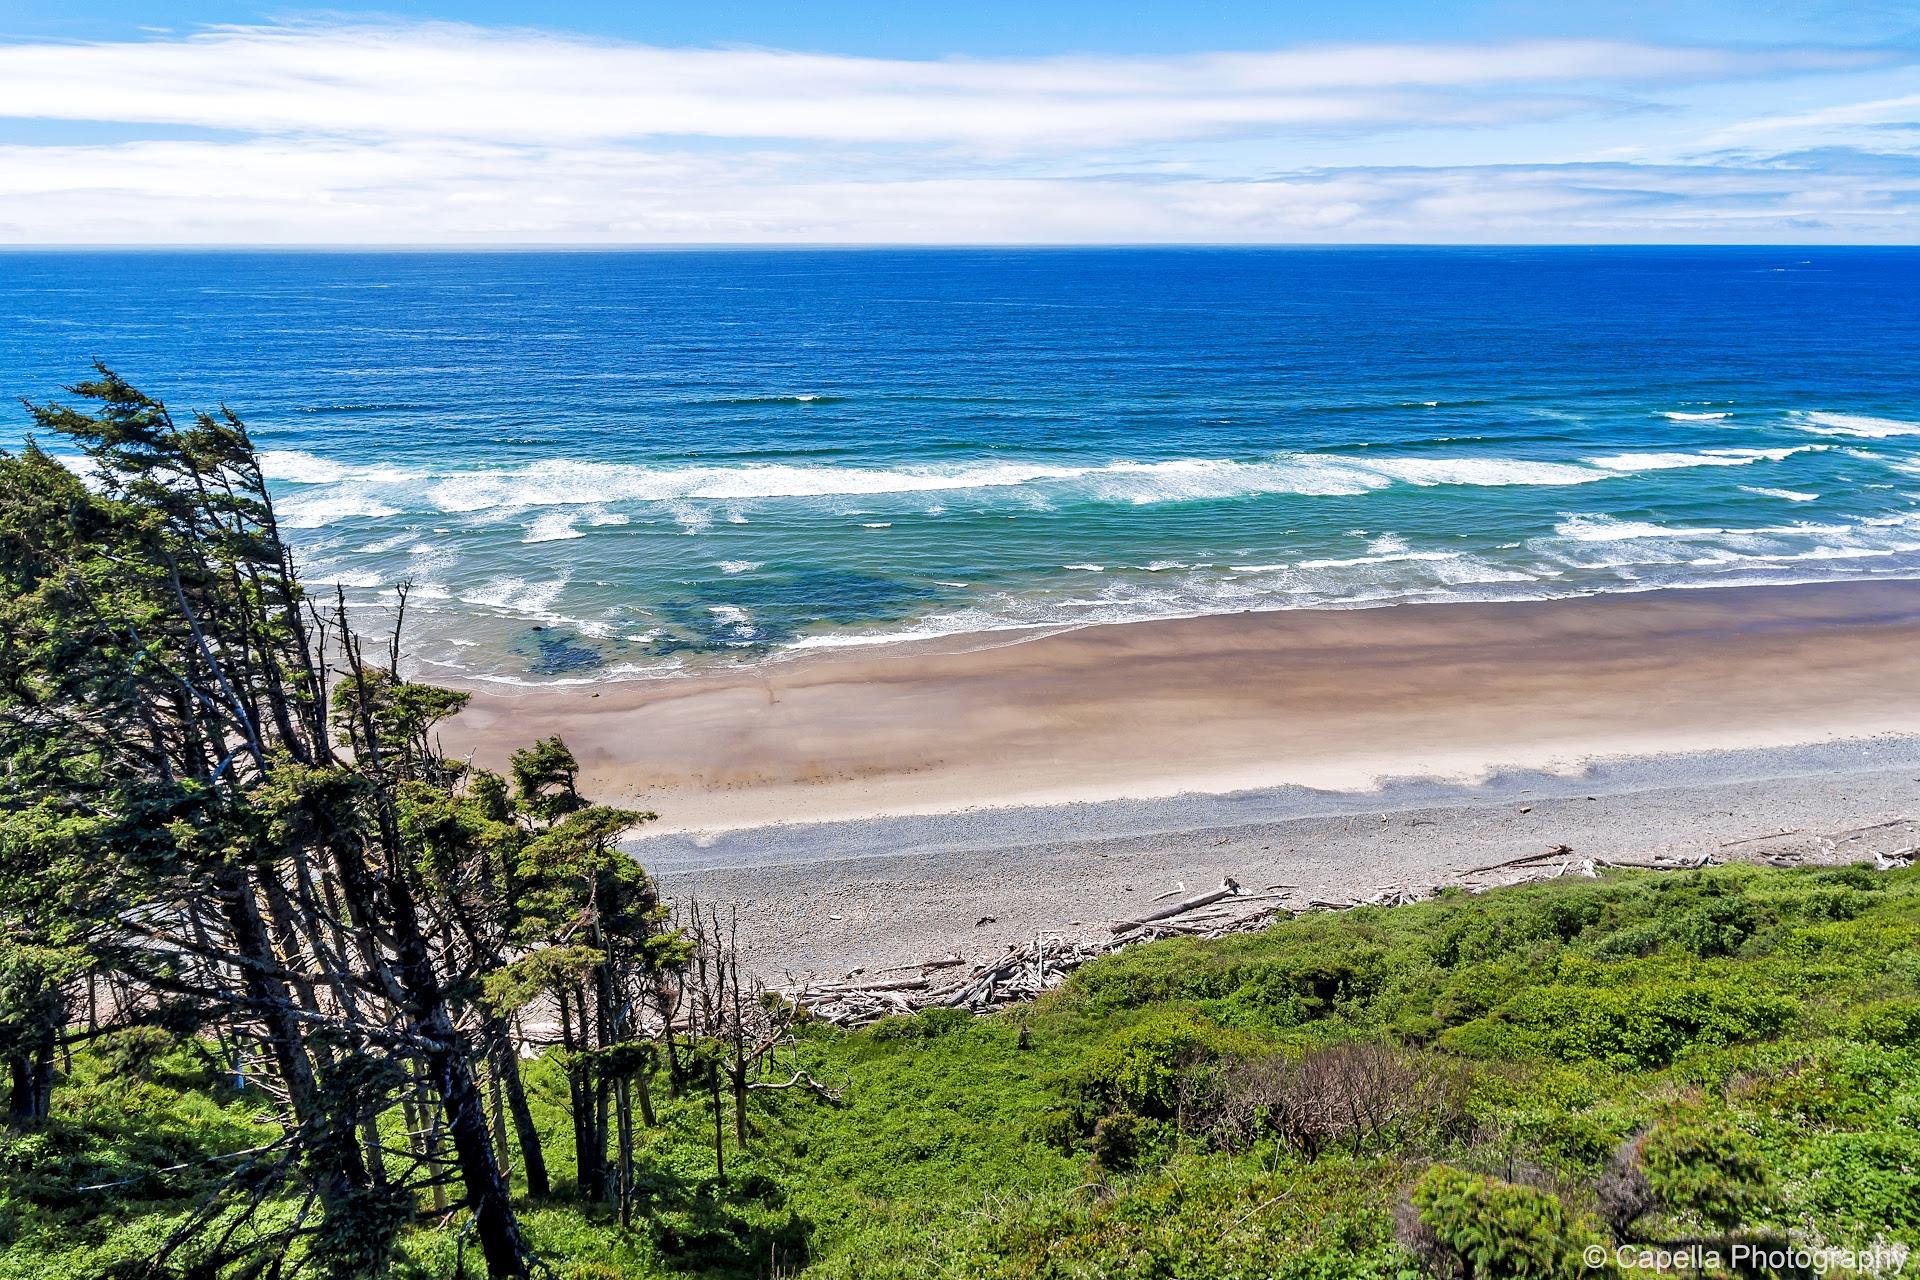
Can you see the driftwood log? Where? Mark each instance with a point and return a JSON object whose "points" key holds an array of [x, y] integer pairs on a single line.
{"points": [[1229, 888]]}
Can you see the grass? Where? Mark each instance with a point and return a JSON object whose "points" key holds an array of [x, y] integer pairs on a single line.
{"points": [[1756, 1031]]}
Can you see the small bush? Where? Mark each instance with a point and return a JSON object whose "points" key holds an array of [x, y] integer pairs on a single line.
{"points": [[1630, 943], [928, 1024], [1716, 927], [1141, 1070], [1641, 1025], [1117, 1141], [1702, 1167], [1893, 1023], [1468, 1225], [1360, 1096]]}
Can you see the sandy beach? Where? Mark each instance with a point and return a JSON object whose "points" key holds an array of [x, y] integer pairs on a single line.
{"points": [[864, 805], [1334, 699]]}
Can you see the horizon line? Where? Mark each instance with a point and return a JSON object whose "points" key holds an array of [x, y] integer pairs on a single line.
{"points": [[537, 246]]}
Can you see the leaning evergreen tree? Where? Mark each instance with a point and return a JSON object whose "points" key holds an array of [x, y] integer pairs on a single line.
{"points": [[220, 817]]}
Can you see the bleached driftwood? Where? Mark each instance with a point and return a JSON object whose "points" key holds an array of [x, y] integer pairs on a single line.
{"points": [[1229, 887], [1558, 851]]}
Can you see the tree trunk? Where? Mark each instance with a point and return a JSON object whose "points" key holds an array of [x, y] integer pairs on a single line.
{"points": [[586, 1169], [274, 1006], [602, 1109], [497, 1119], [623, 1190], [533, 1159], [488, 1195], [719, 1130], [31, 1101], [646, 1097]]}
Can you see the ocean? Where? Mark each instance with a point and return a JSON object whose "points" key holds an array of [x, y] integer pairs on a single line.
{"points": [[600, 466]]}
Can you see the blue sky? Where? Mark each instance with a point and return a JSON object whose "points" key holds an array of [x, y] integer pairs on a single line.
{"points": [[201, 122]]}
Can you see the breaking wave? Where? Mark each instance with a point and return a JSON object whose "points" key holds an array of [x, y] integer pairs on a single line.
{"points": [[1859, 426], [321, 488]]}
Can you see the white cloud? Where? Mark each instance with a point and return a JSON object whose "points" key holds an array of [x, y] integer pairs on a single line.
{"points": [[466, 82], [280, 191], [1902, 110], [447, 135]]}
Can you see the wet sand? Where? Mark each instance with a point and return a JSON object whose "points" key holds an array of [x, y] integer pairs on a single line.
{"points": [[1335, 700]]}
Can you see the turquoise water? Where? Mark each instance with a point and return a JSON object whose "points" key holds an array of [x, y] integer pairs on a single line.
{"points": [[598, 466]]}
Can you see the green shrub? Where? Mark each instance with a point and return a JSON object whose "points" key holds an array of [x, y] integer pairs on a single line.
{"points": [[1703, 1167], [1893, 1023], [1141, 1069], [1117, 1140], [1629, 943], [1474, 992], [1832, 904], [1716, 927], [1862, 1185], [1471, 1225], [1641, 1025], [928, 1024]]}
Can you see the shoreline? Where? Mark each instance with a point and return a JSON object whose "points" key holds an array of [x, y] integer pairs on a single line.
{"points": [[845, 898], [1334, 700]]}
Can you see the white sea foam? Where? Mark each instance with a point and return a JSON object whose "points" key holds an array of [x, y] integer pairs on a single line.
{"points": [[1585, 554], [1677, 415], [1853, 424], [327, 489], [296, 466], [330, 508], [1480, 471], [1836, 553], [516, 595], [1194, 479], [1666, 461], [1602, 528], [1403, 557], [1776, 454], [691, 518], [554, 526], [734, 625], [1789, 495], [1386, 544], [738, 566]]}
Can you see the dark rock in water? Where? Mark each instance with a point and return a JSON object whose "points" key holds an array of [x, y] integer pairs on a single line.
{"points": [[555, 653]]}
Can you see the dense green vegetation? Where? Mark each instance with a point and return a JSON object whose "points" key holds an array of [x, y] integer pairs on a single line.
{"points": [[1708, 1056]]}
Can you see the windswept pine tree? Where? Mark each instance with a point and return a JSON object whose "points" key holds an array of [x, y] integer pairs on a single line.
{"points": [[220, 818]]}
